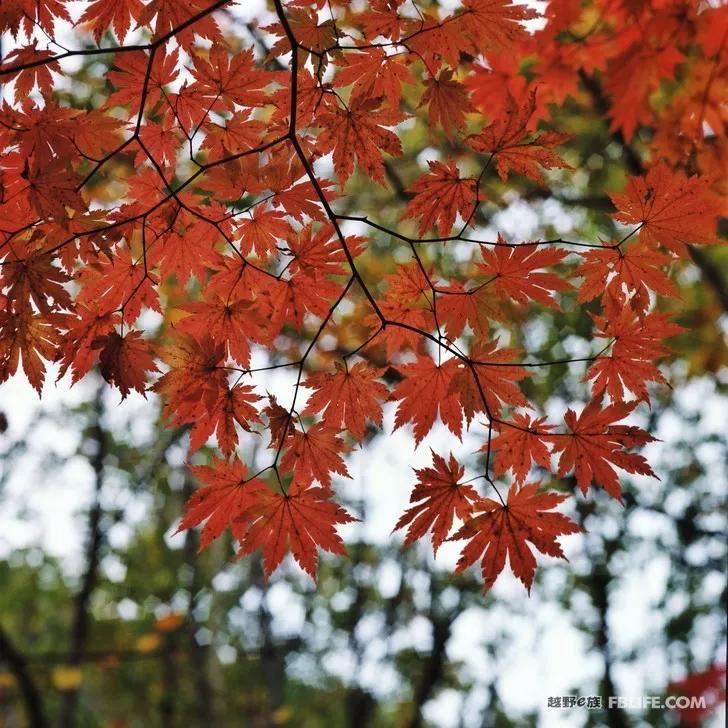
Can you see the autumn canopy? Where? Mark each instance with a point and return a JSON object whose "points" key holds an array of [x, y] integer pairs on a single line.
{"points": [[316, 196]]}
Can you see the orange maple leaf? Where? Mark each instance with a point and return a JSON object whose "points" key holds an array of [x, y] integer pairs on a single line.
{"points": [[425, 390], [299, 521], [447, 100], [496, 380], [226, 495], [233, 405], [104, 14], [520, 442], [439, 196], [670, 209], [638, 342], [373, 74], [619, 272], [348, 397], [517, 271], [443, 498], [512, 146], [359, 133], [596, 444], [33, 336], [505, 530], [314, 455], [125, 360]]}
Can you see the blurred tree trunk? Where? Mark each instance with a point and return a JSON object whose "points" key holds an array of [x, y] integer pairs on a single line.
{"points": [[81, 617]]}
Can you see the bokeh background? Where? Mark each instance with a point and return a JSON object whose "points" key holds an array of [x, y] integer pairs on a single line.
{"points": [[108, 617]]}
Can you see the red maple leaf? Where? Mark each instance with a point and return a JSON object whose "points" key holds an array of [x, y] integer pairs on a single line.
{"points": [[226, 495], [425, 391], [447, 100], [505, 530], [360, 133], [439, 196], [637, 343], [443, 498], [372, 74], [314, 454], [596, 444], [512, 146], [618, 272], [350, 396], [520, 442], [32, 338], [670, 209], [101, 15], [125, 360], [299, 521], [518, 271]]}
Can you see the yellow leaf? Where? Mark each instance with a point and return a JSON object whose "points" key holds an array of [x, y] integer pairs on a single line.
{"points": [[282, 715], [148, 642], [66, 677]]}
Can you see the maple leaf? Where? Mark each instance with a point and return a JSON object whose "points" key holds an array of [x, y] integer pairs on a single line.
{"points": [[299, 521], [317, 254], [139, 77], [491, 377], [233, 323], [24, 13], [425, 390], [188, 252], [77, 350], [125, 360], [435, 40], [33, 336], [119, 283], [35, 279], [26, 78], [443, 498], [104, 14], [506, 530], [671, 209], [314, 455], [519, 443], [348, 397], [239, 133], [262, 231], [224, 81], [231, 406], [447, 100], [512, 146], [596, 444], [226, 495], [373, 74], [195, 382], [494, 24], [637, 342], [359, 133], [615, 271], [279, 422], [458, 307], [517, 271], [172, 16], [52, 189], [439, 196]]}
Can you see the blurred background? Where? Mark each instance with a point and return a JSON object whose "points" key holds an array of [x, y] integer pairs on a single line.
{"points": [[108, 618]]}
